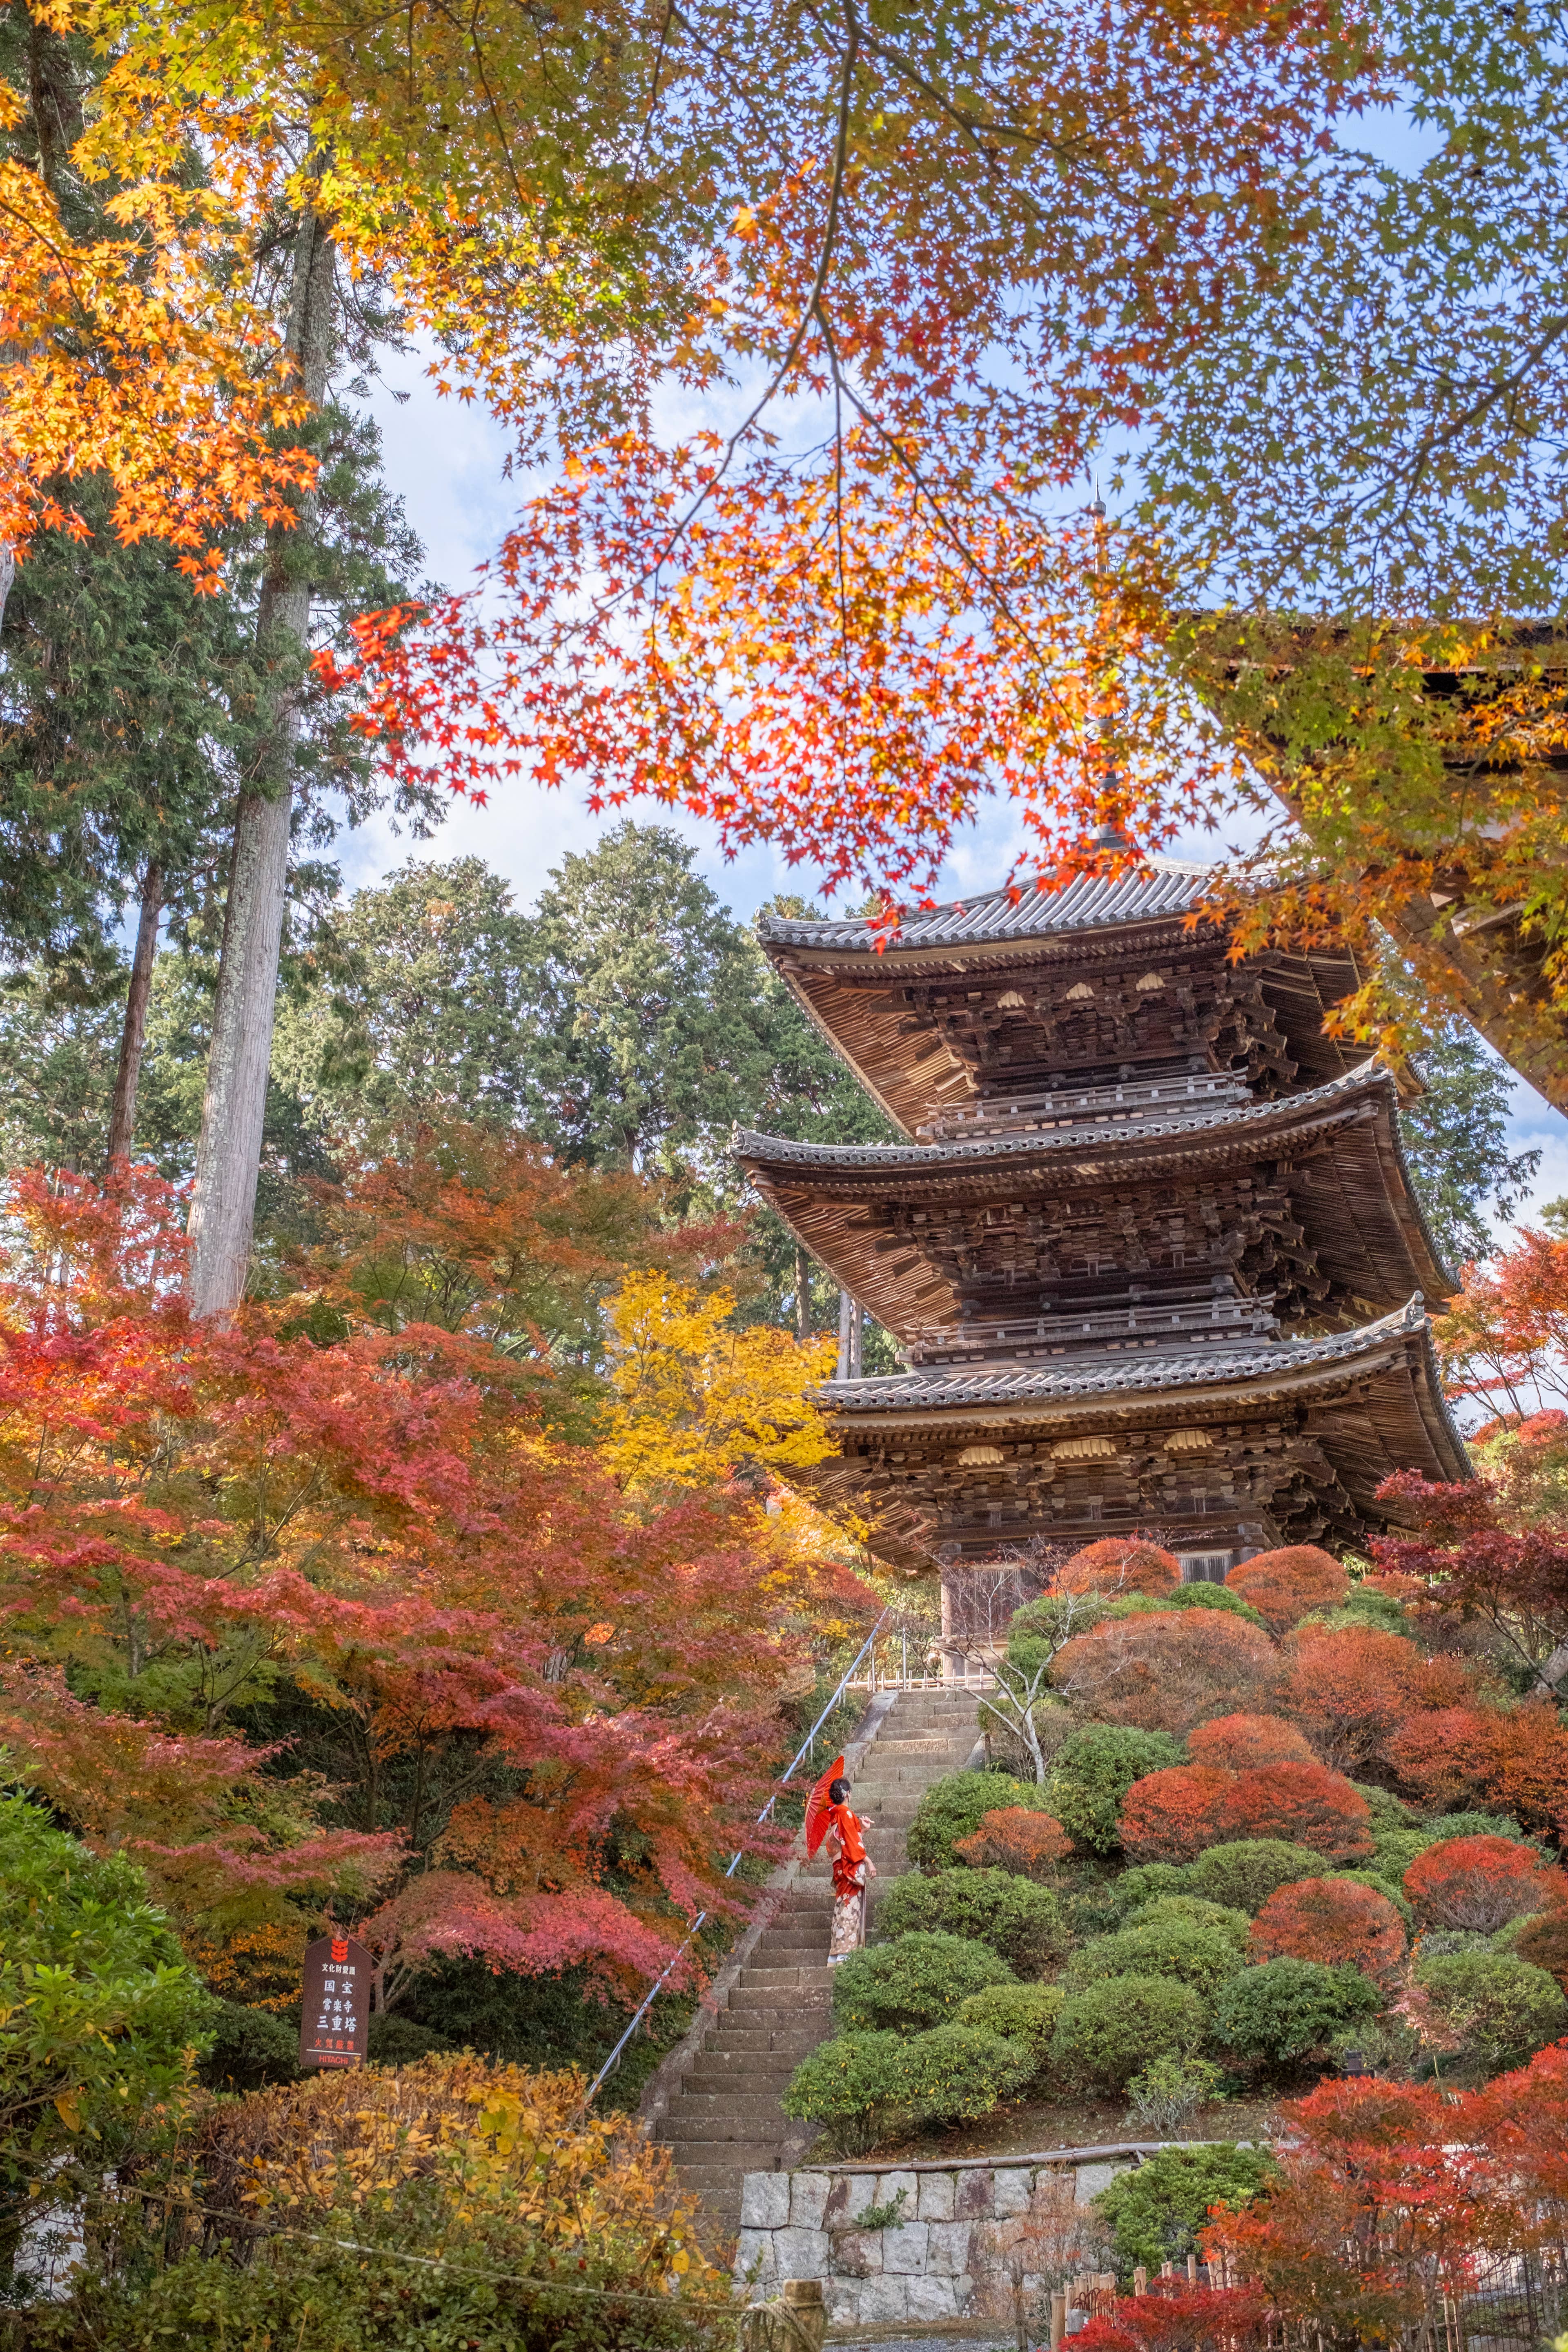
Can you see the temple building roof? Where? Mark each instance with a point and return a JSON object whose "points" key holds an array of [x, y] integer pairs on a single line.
{"points": [[965, 999], [1295, 1437], [911, 1229]]}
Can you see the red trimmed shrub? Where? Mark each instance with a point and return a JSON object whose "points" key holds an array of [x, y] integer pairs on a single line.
{"points": [[1306, 1805], [1351, 1690], [1286, 1586], [1167, 1671], [1468, 1757], [1241, 1743], [1172, 1816], [1331, 1920], [1122, 1564], [1013, 1838], [1544, 1942], [1481, 1882]]}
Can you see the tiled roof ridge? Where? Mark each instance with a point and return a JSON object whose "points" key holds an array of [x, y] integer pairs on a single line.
{"points": [[935, 1386], [1089, 900], [750, 1143]]}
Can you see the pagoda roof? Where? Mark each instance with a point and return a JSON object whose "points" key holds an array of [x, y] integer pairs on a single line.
{"points": [[852, 979], [1369, 1235], [1371, 1400], [1163, 886]]}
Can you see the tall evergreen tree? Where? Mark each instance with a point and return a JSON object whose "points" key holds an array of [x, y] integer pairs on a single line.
{"points": [[1456, 1140]]}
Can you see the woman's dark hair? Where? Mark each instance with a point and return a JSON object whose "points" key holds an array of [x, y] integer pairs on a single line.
{"points": [[838, 1791]]}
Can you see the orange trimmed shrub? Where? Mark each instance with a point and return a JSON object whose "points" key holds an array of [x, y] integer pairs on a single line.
{"points": [[1305, 1804], [1544, 1942], [1241, 1743], [1172, 1816], [1481, 1882], [1122, 1564], [1013, 1838], [1330, 1920], [1352, 1690], [1286, 1586], [1166, 1671], [1470, 1758]]}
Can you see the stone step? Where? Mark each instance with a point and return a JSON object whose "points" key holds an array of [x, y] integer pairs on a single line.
{"points": [[743, 2070], [762, 2041], [753, 2125]]}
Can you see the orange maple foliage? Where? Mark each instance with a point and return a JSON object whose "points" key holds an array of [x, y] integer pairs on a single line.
{"points": [[1174, 1816], [1482, 1883], [1351, 1690], [1238, 1743], [1166, 1671], [1287, 1585], [1122, 1564], [1331, 1920], [1516, 1761], [1014, 1838], [842, 624], [1505, 1337]]}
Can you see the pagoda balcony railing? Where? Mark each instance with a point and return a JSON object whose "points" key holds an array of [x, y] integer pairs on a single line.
{"points": [[1198, 1091], [1145, 1325]]}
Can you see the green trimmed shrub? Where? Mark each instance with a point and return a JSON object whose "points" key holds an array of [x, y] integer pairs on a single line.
{"points": [[1164, 2097], [1092, 1773], [917, 1982], [953, 1808], [1024, 2012], [1110, 2032], [1187, 1596], [1501, 2008], [1147, 1881], [852, 2086], [1243, 1875], [1388, 1811], [1445, 1826], [1194, 1954], [959, 2071], [1021, 1921], [1278, 2014], [1395, 1849], [1216, 1918], [1156, 2211], [250, 2048], [860, 2086], [1359, 1609]]}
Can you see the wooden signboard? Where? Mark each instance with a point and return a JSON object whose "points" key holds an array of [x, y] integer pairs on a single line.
{"points": [[334, 2013]]}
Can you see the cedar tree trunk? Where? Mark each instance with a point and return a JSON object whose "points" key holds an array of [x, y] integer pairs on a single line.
{"points": [[133, 1036], [228, 1157]]}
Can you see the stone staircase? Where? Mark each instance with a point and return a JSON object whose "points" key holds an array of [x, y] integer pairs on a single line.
{"points": [[725, 2120]]}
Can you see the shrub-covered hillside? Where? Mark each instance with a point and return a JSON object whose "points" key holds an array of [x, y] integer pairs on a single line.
{"points": [[1232, 1840]]}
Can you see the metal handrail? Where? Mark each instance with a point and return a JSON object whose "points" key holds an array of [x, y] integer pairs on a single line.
{"points": [[613, 2061]]}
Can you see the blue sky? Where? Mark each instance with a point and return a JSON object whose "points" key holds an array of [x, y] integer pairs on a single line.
{"points": [[447, 466]]}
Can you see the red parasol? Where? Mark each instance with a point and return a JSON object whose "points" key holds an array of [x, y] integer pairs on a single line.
{"points": [[817, 1806]]}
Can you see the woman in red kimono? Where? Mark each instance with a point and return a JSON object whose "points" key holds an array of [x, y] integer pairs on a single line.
{"points": [[852, 1868]]}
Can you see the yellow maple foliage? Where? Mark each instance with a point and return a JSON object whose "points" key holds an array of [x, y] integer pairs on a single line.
{"points": [[693, 1401]]}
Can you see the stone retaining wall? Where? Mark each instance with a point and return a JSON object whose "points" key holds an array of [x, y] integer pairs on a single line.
{"points": [[944, 2260]]}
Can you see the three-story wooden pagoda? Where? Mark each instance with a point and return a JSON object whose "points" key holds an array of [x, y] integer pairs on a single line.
{"points": [[1150, 1251]]}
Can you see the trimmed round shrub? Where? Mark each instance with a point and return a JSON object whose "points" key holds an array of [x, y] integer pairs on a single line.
{"points": [[1172, 1816], [1304, 1804], [1284, 1586], [1389, 1888], [1021, 1921], [1244, 1874], [1024, 2012], [917, 1982], [1241, 1743], [1458, 1826], [957, 2071], [1501, 2008], [1167, 1671], [1028, 1844], [1121, 1564], [1481, 1882], [852, 2086], [1110, 2032], [1146, 1882], [1170, 1947], [1155, 2213], [1094, 1769], [1191, 1910], [1332, 1920], [1187, 1596], [1281, 2013], [954, 1807]]}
